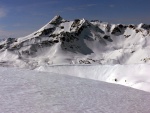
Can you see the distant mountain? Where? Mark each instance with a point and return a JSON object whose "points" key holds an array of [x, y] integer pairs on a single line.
{"points": [[78, 42]]}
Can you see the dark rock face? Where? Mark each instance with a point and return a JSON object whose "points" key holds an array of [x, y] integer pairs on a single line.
{"points": [[106, 37], [56, 41], [144, 26], [1, 46], [47, 31], [7, 43], [76, 23], [78, 32], [127, 36], [116, 30], [137, 31], [119, 29], [62, 27], [131, 26], [108, 27], [10, 40], [57, 20], [95, 21], [120, 26]]}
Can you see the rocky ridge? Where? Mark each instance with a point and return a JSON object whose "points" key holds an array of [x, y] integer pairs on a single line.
{"points": [[79, 42]]}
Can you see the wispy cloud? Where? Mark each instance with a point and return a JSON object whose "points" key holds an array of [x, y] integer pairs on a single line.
{"points": [[5, 34], [37, 5], [71, 8], [15, 34], [112, 5], [128, 20], [3, 12], [91, 5], [39, 14], [75, 8], [17, 25], [79, 7]]}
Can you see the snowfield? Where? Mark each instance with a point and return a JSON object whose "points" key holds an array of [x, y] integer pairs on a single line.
{"points": [[26, 91], [135, 75]]}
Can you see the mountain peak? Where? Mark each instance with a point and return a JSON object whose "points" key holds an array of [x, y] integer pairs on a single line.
{"points": [[144, 26], [56, 19], [81, 42]]}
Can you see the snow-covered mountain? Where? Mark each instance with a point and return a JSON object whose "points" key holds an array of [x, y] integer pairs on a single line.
{"points": [[78, 42], [61, 49]]}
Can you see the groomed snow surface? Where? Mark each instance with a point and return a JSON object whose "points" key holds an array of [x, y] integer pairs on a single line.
{"points": [[26, 91]]}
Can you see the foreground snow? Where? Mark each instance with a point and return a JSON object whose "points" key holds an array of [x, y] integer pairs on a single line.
{"points": [[135, 76], [25, 91]]}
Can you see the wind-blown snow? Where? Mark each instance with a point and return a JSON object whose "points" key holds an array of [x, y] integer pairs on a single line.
{"points": [[24, 91]]}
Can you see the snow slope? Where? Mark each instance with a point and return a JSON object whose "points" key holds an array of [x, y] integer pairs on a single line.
{"points": [[135, 76], [78, 42], [25, 91]]}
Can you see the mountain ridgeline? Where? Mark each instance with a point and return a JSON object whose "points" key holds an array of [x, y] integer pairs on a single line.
{"points": [[79, 42]]}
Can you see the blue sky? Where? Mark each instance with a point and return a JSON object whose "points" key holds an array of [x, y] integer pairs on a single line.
{"points": [[22, 17]]}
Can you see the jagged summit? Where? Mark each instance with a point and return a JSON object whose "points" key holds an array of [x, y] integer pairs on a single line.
{"points": [[57, 17], [79, 42], [56, 20]]}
